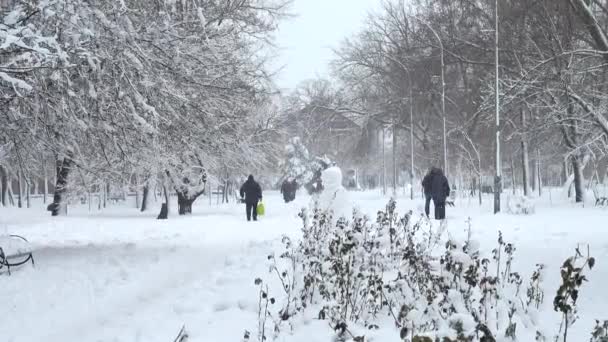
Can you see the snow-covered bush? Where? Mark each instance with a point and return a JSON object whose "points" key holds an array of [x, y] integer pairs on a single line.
{"points": [[297, 161], [600, 332], [396, 275], [565, 301], [305, 169], [520, 205]]}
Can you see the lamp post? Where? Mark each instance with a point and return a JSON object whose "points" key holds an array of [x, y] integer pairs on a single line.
{"points": [[497, 180], [411, 139]]}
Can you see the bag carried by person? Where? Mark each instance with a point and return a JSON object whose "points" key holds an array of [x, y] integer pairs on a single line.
{"points": [[260, 209]]}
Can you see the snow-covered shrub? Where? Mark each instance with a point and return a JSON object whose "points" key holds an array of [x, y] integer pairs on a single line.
{"points": [[398, 275], [568, 292], [600, 332], [306, 170], [520, 205], [297, 161]]}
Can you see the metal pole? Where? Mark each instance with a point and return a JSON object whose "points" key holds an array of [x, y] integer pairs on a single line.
{"points": [[394, 157], [383, 162], [445, 144], [497, 180], [411, 140]]}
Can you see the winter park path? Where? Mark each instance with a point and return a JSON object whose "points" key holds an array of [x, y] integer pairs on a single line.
{"points": [[120, 275]]}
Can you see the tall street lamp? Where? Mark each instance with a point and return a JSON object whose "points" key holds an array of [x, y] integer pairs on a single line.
{"points": [[497, 180]]}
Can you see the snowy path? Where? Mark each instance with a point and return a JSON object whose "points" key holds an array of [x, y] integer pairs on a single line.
{"points": [[132, 279], [123, 276]]}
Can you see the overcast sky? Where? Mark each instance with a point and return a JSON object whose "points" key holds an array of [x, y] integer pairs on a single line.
{"points": [[305, 42]]}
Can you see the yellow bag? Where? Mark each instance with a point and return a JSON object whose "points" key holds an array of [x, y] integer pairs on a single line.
{"points": [[260, 209]]}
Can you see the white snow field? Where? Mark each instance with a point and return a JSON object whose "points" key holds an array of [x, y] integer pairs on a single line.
{"points": [[122, 275]]}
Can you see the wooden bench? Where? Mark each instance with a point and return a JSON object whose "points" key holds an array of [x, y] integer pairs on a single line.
{"points": [[14, 251]]}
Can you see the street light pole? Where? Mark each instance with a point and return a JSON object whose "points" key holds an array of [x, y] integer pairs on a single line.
{"points": [[445, 141], [394, 157], [497, 180], [411, 139]]}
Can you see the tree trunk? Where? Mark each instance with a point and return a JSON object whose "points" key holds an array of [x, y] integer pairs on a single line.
{"points": [[538, 172], [184, 204], [59, 205], [513, 174], [46, 181], [479, 191], [20, 186], [35, 187], [144, 199], [535, 176], [578, 178], [525, 157], [137, 192], [164, 210], [28, 188], [497, 191], [3, 186], [106, 192], [11, 197]]}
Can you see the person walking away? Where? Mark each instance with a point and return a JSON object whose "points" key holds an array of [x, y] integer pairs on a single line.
{"points": [[251, 191], [293, 188], [426, 187], [286, 190], [440, 190]]}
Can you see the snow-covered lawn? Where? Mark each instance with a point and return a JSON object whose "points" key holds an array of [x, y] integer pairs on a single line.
{"points": [[122, 275]]}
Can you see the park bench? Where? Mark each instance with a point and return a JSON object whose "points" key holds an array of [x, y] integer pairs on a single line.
{"points": [[14, 251]]}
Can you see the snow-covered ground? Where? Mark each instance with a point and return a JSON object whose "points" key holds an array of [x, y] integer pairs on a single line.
{"points": [[122, 275]]}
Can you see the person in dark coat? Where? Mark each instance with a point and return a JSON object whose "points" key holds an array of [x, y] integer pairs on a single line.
{"points": [[252, 192], [288, 189], [426, 187], [436, 185]]}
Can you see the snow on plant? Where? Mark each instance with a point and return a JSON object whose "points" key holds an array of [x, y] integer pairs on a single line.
{"points": [[24, 46], [600, 332], [398, 273], [300, 165], [568, 292], [297, 161]]}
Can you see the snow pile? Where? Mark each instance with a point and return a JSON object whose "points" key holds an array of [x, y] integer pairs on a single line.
{"points": [[12, 245], [334, 197], [520, 205], [589, 197]]}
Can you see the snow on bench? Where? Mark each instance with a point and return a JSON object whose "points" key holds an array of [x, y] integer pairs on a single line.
{"points": [[15, 251]]}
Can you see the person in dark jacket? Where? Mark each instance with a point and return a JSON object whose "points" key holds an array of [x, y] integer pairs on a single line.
{"points": [[288, 189], [436, 187], [426, 187], [252, 192]]}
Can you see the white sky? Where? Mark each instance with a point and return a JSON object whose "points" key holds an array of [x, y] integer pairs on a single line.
{"points": [[305, 42]]}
